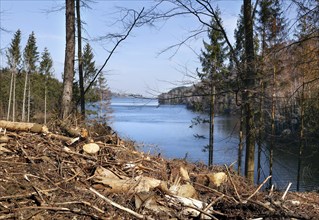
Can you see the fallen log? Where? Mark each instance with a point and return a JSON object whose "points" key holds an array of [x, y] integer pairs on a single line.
{"points": [[23, 126]]}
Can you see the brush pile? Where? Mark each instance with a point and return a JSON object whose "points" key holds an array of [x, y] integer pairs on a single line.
{"points": [[93, 174]]}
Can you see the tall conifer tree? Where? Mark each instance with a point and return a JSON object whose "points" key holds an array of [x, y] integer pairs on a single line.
{"points": [[30, 58], [14, 59], [46, 69], [212, 60]]}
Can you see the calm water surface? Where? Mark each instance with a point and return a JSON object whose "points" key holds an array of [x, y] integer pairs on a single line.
{"points": [[166, 129]]}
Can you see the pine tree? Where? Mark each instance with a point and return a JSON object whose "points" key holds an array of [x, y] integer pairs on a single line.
{"points": [[30, 57], [213, 67], [14, 59], [46, 69]]}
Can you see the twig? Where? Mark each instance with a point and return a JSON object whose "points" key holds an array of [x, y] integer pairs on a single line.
{"points": [[213, 202], [137, 215], [69, 151], [231, 181], [259, 187], [201, 211], [285, 193], [54, 208], [82, 202], [263, 205], [71, 178], [216, 191], [26, 155], [271, 190], [20, 196]]}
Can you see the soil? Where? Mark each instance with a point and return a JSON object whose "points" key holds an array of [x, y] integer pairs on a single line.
{"points": [[42, 177]]}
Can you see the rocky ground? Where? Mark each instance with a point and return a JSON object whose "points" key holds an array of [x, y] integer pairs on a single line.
{"points": [[96, 175]]}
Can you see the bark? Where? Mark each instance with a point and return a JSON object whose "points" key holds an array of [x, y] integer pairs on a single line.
{"points": [[272, 142], [80, 66], [211, 128], [14, 96], [24, 97], [66, 104], [22, 126], [29, 99], [247, 95], [260, 130], [10, 94], [240, 144], [302, 135]]}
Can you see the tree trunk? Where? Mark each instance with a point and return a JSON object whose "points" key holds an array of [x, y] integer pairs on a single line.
{"points": [[240, 144], [29, 99], [79, 30], [14, 96], [45, 99], [248, 93], [211, 127], [66, 104], [272, 141], [301, 145], [10, 94], [260, 130], [22, 126], [24, 96]]}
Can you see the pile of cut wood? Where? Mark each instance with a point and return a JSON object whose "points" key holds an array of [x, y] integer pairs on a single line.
{"points": [[93, 174]]}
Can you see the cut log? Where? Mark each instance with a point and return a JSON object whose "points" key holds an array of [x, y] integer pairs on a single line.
{"points": [[23, 126]]}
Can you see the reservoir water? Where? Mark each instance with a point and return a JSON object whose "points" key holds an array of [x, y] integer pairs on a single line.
{"points": [[165, 129]]}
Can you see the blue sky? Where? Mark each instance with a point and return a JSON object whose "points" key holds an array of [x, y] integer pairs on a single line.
{"points": [[136, 66]]}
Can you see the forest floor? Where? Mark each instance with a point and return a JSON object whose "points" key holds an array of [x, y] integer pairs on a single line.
{"points": [[45, 176]]}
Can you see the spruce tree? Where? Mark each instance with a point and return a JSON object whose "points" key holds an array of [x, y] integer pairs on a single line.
{"points": [[14, 59], [46, 64], [89, 72], [89, 69], [212, 60], [46, 69], [30, 57]]}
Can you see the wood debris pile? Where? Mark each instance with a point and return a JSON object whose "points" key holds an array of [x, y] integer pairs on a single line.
{"points": [[96, 175]]}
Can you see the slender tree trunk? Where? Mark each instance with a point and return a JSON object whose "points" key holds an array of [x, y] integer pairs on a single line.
{"points": [[45, 99], [81, 82], [211, 127], [66, 104], [301, 145], [241, 139], [29, 98], [10, 94], [14, 97], [273, 111], [24, 96], [260, 130], [248, 93], [101, 100]]}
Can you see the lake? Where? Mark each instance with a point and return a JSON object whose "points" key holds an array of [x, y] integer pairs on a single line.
{"points": [[165, 129]]}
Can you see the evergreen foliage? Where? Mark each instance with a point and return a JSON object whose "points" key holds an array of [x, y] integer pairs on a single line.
{"points": [[14, 51], [30, 54], [46, 63]]}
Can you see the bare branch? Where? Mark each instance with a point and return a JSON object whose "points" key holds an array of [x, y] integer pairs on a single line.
{"points": [[136, 18]]}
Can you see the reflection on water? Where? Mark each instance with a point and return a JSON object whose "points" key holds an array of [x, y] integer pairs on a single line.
{"points": [[166, 129]]}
